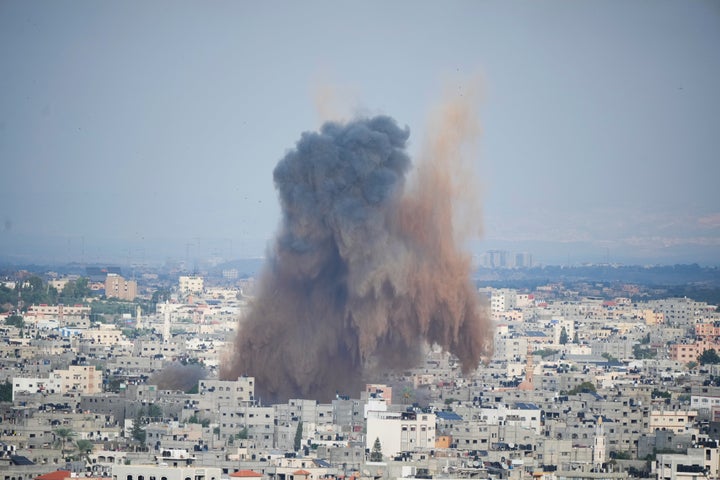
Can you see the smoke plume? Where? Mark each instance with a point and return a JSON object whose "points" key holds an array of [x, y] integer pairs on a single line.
{"points": [[176, 376], [366, 267]]}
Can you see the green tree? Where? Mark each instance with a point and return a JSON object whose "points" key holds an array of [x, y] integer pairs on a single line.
{"points": [[585, 387], [563, 336], [75, 291], [84, 447], [376, 453], [6, 391], [15, 321], [545, 352], [8, 298], [639, 352], [160, 295], [62, 435], [154, 411], [243, 434], [298, 436], [609, 357], [709, 357], [660, 394], [138, 431]]}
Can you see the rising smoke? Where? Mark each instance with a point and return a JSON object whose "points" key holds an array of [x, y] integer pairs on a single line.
{"points": [[176, 376], [366, 267]]}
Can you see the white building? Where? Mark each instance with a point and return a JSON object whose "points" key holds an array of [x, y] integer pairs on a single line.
{"points": [[228, 393], [34, 385], [190, 284], [525, 415], [400, 431], [698, 463], [164, 472]]}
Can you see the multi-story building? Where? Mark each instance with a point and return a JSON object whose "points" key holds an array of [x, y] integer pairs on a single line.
{"points": [[61, 313], [34, 384], [671, 420], [79, 378], [689, 352], [104, 334], [117, 287], [227, 393], [190, 284], [400, 431], [164, 471]]}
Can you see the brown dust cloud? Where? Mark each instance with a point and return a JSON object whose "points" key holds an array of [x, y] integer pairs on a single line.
{"points": [[366, 268]]}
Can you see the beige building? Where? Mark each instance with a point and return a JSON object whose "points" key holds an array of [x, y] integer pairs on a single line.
{"points": [[671, 420], [79, 378], [117, 287], [104, 335], [56, 312]]}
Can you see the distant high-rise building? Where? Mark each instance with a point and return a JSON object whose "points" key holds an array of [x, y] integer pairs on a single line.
{"points": [[230, 274], [505, 259], [523, 260]]}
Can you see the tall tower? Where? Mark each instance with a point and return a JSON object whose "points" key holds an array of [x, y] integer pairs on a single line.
{"points": [[166, 323], [138, 318], [599, 445], [528, 384]]}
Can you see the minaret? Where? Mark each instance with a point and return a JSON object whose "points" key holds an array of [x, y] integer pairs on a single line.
{"points": [[599, 445], [527, 384], [138, 318], [166, 323]]}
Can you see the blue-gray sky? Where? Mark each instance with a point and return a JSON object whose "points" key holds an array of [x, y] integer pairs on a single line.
{"points": [[146, 130]]}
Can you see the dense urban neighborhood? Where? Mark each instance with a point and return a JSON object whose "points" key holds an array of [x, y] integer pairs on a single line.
{"points": [[115, 374]]}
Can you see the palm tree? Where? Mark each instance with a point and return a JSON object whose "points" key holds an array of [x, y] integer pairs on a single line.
{"points": [[62, 435], [84, 448]]}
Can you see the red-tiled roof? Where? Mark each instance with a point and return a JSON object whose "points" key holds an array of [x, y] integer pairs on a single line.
{"points": [[301, 472], [246, 474], [56, 475]]}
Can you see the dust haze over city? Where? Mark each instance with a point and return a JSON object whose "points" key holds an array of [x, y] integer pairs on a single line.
{"points": [[146, 133]]}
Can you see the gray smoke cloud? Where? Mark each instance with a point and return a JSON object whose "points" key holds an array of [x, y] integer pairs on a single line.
{"points": [[365, 268], [176, 376]]}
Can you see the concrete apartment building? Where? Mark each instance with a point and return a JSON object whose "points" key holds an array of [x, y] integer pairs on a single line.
{"points": [[190, 285], [120, 288], [79, 378], [400, 431], [64, 314], [76, 378], [162, 471], [677, 421], [228, 393]]}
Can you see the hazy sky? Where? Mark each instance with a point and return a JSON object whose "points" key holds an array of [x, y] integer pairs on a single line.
{"points": [[144, 130]]}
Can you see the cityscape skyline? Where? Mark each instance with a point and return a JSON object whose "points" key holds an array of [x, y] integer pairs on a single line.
{"points": [[146, 133]]}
